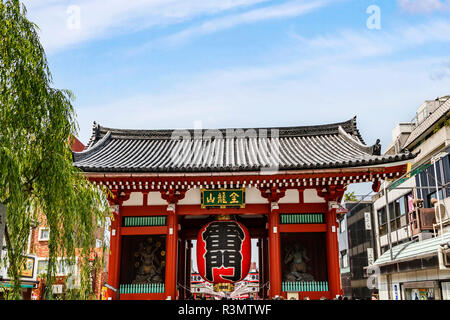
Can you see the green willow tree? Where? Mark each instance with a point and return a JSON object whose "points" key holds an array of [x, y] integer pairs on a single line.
{"points": [[36, 168], [350, 196]]}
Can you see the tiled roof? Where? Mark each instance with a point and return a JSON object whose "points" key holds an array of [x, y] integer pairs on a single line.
{"points": [[336, 145], [413, 249], [427, 123]]}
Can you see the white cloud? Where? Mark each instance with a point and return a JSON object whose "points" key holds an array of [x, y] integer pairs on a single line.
{"points": [[100, 18], [305, 92], [326, 80], [423, 6], [357, 45], [284, 10]]}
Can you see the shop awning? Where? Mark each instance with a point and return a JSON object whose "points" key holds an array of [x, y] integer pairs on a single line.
{"points": [[413, 250], [22, 285]]}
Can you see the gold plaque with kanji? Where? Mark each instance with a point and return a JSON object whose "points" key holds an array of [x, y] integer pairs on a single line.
{"points": [[223, 198]]}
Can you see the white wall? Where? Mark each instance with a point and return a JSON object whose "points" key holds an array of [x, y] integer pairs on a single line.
{"points": [[411, 276]]}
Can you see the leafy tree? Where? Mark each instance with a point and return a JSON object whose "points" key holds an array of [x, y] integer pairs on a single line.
{"points": [[350, 196], [36, 168]]}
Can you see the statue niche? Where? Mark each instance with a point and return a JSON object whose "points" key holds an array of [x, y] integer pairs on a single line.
{"points": [[149, 262], [295, 262]]}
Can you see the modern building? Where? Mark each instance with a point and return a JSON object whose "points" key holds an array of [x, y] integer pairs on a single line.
{"points": [[28, 274], [343, 257], [356, 248], [416, 223]]}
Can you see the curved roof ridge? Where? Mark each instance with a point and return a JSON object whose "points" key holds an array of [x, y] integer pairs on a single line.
{"points": [[78, 156], [94, 135], [350, 139], [348, 126]]}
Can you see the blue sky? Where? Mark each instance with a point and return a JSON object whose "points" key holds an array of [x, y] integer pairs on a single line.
{"points": [[246, 63]]}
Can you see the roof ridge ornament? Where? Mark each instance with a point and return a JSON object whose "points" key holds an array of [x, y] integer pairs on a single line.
{"points": [[78, 156], [376, 148], [95, 134]]}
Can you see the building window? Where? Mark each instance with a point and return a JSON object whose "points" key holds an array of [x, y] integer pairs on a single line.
{"points": [[433, 195], [63, 267], [42, 267], [344, 260], [98, 243], [44, 234], [342, 225], [397, 210], [382, 221]]}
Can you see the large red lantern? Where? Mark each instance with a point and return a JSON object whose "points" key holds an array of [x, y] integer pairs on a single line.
{"points": [[223, 251]]}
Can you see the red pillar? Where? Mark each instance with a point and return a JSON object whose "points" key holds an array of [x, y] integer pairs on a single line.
{"points": [[260, 269], [188, 268], [334, 278], [171, 253], [265, 250], [182, 269], [114, 256], [274, 251], [172, 196]]}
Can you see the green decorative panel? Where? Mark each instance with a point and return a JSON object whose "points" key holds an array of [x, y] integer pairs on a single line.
{"points": [[144, 221], [305, 286], [302, 218], [142, 288]]}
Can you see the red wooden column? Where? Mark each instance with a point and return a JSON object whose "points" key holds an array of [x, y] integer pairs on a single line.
{"points": [[274, 194], [274, 251], [334, 278], [171, 196], [333, 197], [261, 268], [171, 253], [115, 244], [265, 250], [187, 272], [182, 268]]}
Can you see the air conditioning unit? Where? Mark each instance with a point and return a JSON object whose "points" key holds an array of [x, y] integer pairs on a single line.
{"points": [[440, 208], [444, 257]]}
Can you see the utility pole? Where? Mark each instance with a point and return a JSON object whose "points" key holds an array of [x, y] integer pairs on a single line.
{"points": [[389, 220], [434, 160]]}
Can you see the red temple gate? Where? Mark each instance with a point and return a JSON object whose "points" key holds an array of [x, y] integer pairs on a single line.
{"points": [[157, 180]]}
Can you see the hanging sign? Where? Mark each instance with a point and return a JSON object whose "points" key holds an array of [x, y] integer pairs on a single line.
{"points": [[370, 256], [27, 271], [223, 251], [367, 221], [223, 198]]}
